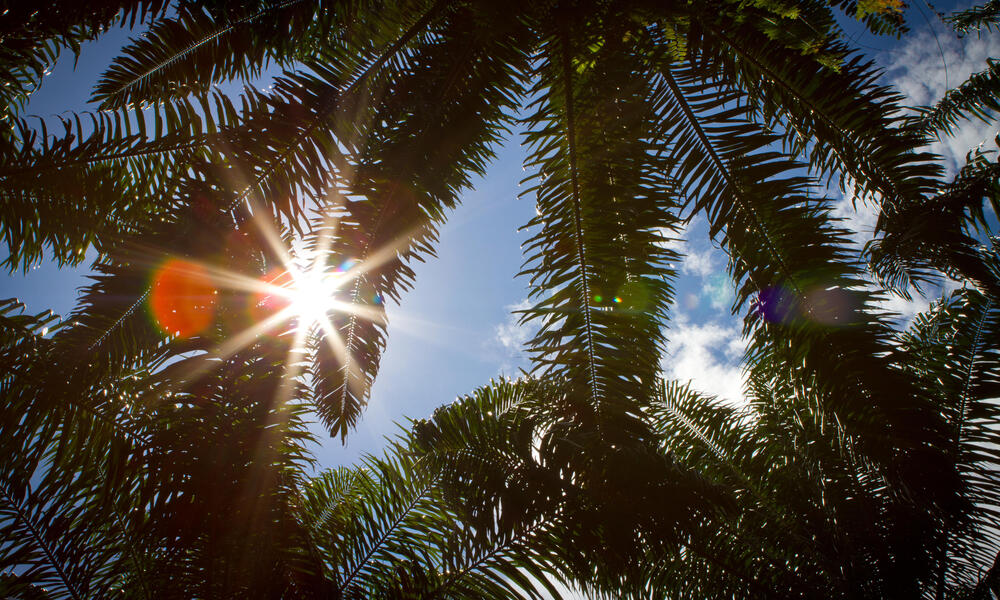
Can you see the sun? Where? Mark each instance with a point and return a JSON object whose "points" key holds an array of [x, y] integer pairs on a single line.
{"points": [[304, 295], [312, 293]]}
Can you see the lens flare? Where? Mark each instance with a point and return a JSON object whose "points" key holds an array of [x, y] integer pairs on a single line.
{"points": [[313, 294], [633, 296], [183, 298], [777, 305], [831, 307]]}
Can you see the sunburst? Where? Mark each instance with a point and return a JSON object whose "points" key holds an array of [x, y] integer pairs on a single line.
{"points": [[300, 297]]}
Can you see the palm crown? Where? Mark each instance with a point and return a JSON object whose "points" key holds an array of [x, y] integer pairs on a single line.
{"points": [[636, 115]]}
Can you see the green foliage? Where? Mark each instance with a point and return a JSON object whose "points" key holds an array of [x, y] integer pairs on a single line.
{"points": [[976, 18], [975, 97], [144, 462]]}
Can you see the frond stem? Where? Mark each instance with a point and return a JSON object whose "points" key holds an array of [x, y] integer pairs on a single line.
{"points": [[195, 45], [814, 110], [385, 534], [332, 103], [40, 541], [478, 562], [577, 211], [730, 180]]}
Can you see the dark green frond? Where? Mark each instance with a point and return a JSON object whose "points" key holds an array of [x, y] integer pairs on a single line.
{"points": [[927, 237], [953, 351], [217, 518], [983, 16], [977, 97], [202, 46], [597, 266], [431, 131], [34, 38], [840, 120], [504, 454]]}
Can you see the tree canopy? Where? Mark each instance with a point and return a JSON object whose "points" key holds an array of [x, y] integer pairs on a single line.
{"points": [[155, 438]]}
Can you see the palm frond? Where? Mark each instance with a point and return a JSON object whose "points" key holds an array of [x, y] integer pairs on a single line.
{"points": [[952, 351], [925, 238], [434, 129], [34, 39], [796, 266], [983, 16], [977, 97], [512, 458], [217, 519], [203, 46], [839, 119], [597, 267]]}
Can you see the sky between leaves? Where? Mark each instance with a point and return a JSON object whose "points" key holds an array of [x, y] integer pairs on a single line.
{"points": [[455, 330]]}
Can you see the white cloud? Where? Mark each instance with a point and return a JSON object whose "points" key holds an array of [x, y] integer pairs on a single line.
{"points": [[906, 309], [708, 355], [679, 241], [511, 334], [925, 65], [565, 593], [703, 260], [859, 219]]}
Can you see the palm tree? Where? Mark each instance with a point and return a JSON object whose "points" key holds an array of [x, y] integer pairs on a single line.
{"points": [[383, 126], [637, 115]]}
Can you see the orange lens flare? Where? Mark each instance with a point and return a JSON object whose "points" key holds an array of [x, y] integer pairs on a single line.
{"points": [[183, 298]]}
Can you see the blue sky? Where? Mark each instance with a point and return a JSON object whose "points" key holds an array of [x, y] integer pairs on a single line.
{"points": [[454, 330]]}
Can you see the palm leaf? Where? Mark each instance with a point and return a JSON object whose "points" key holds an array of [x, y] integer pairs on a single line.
{"points": [[977, 97], [952, 350], [941, 234], [786, 255], [596, 264], [435, 128], [983, 16]]}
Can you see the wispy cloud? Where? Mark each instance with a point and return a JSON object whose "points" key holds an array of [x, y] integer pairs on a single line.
{"points": [[510, 337], [926, 66], [718, 289], [703, 261], [858, 218]]}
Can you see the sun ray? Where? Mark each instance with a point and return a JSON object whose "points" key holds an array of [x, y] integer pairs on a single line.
{"points": [[299, 299], [341, 352], [228, 348]]}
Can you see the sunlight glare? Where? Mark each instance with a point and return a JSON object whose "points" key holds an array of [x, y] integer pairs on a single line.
{"points": [[311, 294]]}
